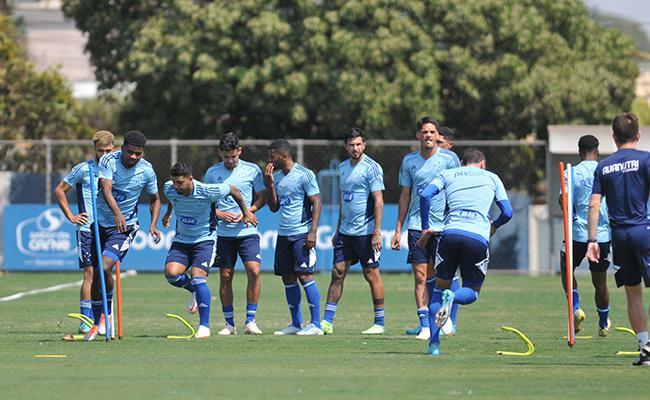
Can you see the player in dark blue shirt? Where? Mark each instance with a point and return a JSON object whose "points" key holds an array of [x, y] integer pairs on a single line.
{"points": [[624, 179]]}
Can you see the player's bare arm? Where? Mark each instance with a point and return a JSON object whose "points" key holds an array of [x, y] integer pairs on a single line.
{"points": [[168, 215], [269, 192], [402, 209], [61, 189], [248, 218], [379, 210], [154, 209], [593, 250], [312, 235]]}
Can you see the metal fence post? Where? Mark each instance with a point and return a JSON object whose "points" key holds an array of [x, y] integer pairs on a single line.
{"points": [[48, 170], [174, 151], [300, 151]]}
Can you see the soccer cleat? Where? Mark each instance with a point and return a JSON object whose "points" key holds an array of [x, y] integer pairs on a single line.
{"points": [[83, 328], [203, 332], [192, 305], [434, 349], [102, 323], [443, 314], [374, 330], [310, 330], [448, 329], [92, 334], [578, 317], [251, 328], [604, 331], [425, 334], [288, 330], [644, 356], [327, 327], [413, 331], [227, 330]]}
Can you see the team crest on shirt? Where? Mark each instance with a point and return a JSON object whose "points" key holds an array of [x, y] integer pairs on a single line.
{"points": [[285, 200]]}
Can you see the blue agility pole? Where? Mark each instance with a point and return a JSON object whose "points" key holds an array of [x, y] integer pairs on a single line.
{"points": [[100, 267]]}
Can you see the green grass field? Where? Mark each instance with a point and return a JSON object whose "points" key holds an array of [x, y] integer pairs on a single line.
{"points": [[345, 365]]}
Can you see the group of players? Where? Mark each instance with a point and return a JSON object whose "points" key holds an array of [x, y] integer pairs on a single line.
{"points": [[444, 206]]}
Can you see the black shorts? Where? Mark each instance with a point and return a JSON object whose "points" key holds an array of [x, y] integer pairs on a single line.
{"points": [[579, 253]]}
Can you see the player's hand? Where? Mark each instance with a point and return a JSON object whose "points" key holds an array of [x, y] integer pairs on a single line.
{"points": [[593, 252], [81, 219], [120, 223], [376, 242], [155, 234], [310, 243], [228, 216], [268, 174], [397, 239], [249, 219], [166, 219], [424, 238]]}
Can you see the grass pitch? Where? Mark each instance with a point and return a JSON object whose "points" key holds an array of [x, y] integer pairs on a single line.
{"points": [[345, 365]]}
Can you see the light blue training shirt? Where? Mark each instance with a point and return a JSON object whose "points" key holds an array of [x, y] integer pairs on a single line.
{"points": [[292, 190], [583, 182], [247, 177], [128, 184], [79, 178], [356, 184]]}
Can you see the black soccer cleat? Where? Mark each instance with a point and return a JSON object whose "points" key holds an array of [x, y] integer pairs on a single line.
{"points": [[644, 356]]}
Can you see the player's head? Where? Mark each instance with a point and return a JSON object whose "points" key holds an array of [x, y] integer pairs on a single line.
{"points": [[280, 153], [133, 148], [473, 158], [355, 142], [182, 178], [103, 142], [229, 150], [446, 137], [626, 128], [427, 132], [588, 147]]}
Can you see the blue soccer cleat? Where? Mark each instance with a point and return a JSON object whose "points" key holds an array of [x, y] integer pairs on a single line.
{"points": [[434, 349], [414, 331], [445, 310]]}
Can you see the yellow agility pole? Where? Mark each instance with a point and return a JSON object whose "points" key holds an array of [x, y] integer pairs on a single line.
{"points": [[184, 322], [527, 342], [631, 332]]}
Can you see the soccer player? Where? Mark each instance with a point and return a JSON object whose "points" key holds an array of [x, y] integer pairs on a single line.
{"points": [[469, 190], [293, 191], [446, 138], [79, 178], [583, 178], [194, 245], [123, 175], [416, 172], [624, 179], [233, 237], [358, 232]]}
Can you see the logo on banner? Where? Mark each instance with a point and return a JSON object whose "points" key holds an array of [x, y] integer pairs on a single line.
{"points": [[45, 235]]}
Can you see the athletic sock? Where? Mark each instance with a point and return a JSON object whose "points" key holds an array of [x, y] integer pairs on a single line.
{"points": [[642, 338], [292, 291], [465, 295], [379, 316], [431, 285], [313, 299], [434, 306], [228, 312], [330, 311], [86, 308], [181, 281], [203, 298], [603, 315], [576, 300], [109, 302], [455, 285], [251, 312], [97, 306], [423, 315]]}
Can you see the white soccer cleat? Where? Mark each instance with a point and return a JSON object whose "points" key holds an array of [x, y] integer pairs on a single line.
{"points": [[289, 330], [227, 330], [425, 334], [374, 330], [448, 329], [251, 328], [310, 330], [102, 324], [443, 313], [192, 305], [203, 332]]}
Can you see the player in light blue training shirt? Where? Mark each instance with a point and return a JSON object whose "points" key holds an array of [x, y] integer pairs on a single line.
{"points": [[583, 179], [123, 175], [470, 191], [79, 178], [292, 190], [233, 237], [417, 170], [358, 234], [194, 246]]}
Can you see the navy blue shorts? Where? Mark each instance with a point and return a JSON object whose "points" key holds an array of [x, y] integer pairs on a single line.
{"points": [[292, 257], [193, 255], [459, 251], [417, 254], [248, 248], [356, 249], [579, 253], [631, 250], [114, 244], [84, 249]]}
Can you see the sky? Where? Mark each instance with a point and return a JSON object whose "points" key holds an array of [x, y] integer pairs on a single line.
{"points": [[636, 10]]}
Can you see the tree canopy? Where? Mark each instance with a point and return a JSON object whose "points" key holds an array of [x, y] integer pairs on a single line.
{"points": [[304, 68]]}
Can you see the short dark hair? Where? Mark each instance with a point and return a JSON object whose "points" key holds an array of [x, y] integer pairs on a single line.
{"points": [[136, 138], [426, 120], [447, 132], [181, 169], [229, 142], [354, 133], [625, 127], [472, 156], [280, 145], [587, 144]]}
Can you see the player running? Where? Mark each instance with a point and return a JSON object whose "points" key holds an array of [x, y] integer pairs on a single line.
{"points": [[358, 232], [292, 189], [583, 178], [470, 191], [417, 171], [233, 237], [624, 179], [194, 246], [79, 178]]}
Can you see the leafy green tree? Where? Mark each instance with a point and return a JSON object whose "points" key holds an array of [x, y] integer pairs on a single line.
{"points": [[642, 109]]}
